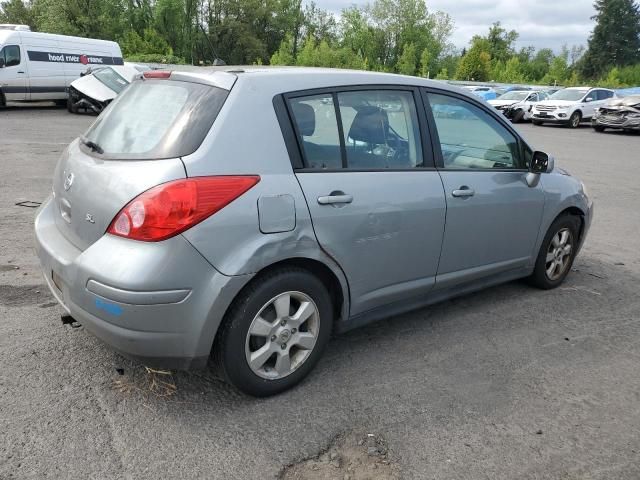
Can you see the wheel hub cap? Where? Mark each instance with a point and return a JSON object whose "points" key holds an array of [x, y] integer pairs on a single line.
{"points": [[559, 254], [282, 335]]}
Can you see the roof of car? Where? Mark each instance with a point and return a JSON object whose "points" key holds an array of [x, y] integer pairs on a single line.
{"points": [[289, 79]]}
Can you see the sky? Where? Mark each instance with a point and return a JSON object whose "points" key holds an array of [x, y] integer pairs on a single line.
{"points": [[541, 23]]}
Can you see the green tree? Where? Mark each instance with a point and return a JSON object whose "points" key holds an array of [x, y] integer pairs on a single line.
{"points": [[615, 40], [509, 72], [443, 74], [425, 61], [476, 64], [17, 11], [559, 71], [284, 55], [407, 61], [501, 42], [150, 43]]}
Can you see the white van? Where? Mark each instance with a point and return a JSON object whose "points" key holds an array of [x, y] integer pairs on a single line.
{"points": [[41, 66]]}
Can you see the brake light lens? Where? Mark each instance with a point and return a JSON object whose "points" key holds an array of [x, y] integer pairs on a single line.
{"points": [[171, 208], [156, 74]]}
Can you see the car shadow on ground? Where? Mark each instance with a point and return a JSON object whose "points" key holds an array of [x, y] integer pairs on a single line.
{"points": [[370, 357]]}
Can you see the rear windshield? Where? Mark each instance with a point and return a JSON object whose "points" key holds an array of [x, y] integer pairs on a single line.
{"points": [[155, 119], [111, 79]]}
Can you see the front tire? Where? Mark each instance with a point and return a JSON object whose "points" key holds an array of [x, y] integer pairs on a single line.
{"points": [[574, 120], [536, 122], [518, 116], [598, 128], [70, 105], [275, 332], [557, 253]]}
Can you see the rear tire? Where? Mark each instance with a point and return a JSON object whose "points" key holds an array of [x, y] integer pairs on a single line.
{"points": [[263, 319], [557, 253]]}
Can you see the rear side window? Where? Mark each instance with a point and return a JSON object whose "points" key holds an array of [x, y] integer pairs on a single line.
{"points": [[155, 119], [369, 130], [317, 125]]}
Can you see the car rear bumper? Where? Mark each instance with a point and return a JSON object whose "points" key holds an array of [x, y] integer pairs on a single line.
{"points": [[160, 303]]}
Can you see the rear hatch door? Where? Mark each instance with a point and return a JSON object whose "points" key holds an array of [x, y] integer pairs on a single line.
{"points": [[134, 145]]}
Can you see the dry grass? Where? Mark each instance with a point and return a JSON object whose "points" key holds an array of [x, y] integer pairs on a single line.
{"points": [[159, 383]]}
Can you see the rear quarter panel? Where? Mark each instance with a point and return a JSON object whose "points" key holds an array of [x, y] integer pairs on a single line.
{"points": [[246, 140]]}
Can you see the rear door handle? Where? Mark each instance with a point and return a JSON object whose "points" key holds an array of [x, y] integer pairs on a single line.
{"points": [[335, 199], [463, 191]]}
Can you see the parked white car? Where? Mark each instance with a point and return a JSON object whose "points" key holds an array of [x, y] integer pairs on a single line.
{"points": [[518, 104], [570, 106], [99, 86]]}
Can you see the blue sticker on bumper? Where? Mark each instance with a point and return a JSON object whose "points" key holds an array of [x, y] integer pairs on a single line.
{"points": [[109, 307]]}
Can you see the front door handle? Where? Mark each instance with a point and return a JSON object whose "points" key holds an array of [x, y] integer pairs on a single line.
{"points": [[334, 199], [463, 192]]}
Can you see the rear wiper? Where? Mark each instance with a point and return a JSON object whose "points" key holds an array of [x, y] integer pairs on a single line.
{"points": [[92, 145]]}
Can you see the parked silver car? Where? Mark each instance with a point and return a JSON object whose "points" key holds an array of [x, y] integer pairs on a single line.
{"points": [[250, 213]]}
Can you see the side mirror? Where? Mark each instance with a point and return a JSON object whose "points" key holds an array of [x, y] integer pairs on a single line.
{"points": [[541, 163], [1, 62], [588, 99]]}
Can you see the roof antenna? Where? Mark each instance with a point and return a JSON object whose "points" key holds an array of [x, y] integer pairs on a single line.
{"points": [[217, 61]]}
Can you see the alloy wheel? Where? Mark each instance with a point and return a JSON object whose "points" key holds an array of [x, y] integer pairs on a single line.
{"points": [[282, 335], [559, 254], [575, 120]]}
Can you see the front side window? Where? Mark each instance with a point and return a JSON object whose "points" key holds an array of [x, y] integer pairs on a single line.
{"points": [[369, 130], [11, 55], [471, 138]]}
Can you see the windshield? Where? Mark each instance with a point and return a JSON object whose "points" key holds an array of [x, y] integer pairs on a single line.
{"points": [[514, 96], [155, 119], [568, 94], [111, 79]]}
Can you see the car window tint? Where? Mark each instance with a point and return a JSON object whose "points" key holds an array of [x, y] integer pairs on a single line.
{"points": [[471, 138], [154, 119], [317, 127], [380, 130], [11, 55]]}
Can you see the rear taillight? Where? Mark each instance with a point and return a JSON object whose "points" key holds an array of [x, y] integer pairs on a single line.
{"points": [[171, 208]]}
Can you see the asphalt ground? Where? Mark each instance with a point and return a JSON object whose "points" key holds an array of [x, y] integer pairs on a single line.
{"points": [[511, 382]]}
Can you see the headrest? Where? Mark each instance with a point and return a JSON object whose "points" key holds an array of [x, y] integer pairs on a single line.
{"points": [[305, 117], [371, 125]]}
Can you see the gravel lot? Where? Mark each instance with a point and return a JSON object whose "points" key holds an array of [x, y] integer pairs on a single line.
{"points": [[508, 383]]}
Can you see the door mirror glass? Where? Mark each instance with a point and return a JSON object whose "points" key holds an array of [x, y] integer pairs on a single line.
{"points": [[539, 162]]}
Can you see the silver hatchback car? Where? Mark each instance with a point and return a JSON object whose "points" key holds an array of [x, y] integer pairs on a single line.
{"points": [[250, 213]]}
